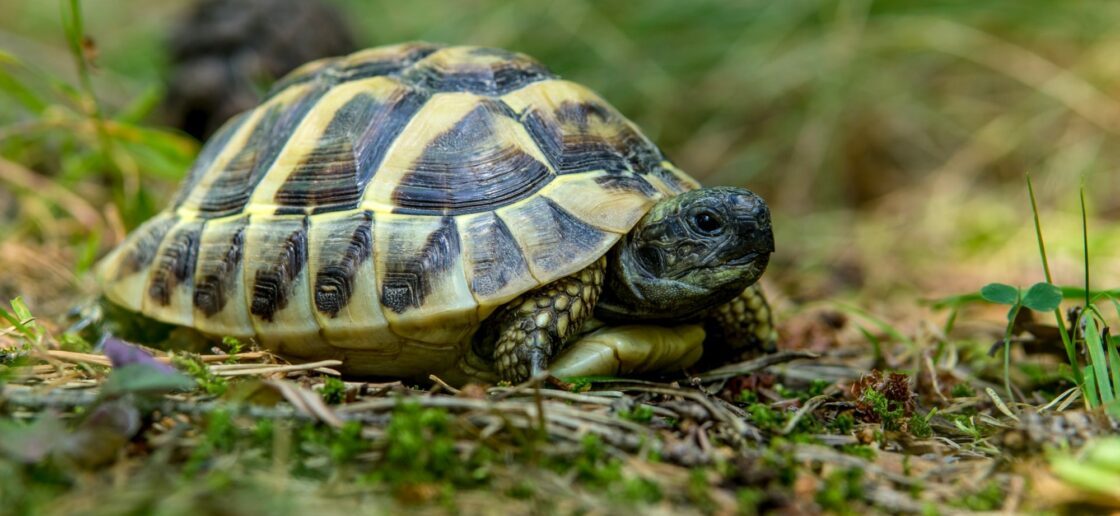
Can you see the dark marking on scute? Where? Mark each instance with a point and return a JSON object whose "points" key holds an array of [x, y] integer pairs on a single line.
{"points": [[289, 210], [235, 184], [626, 183], [673, 180], [493, 79], [565, 138], [272, 285], [469, 169], [335, 72], [408, 275], [495, 257], [175, 264], [216, 280], [575, 239], [143, 245], [580, 114], [214, 146], [390, 66], [325, 73], [334, 176], [334, 282]]}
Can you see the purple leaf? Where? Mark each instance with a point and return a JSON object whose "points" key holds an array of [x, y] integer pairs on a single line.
{"points": [[121, 353]]}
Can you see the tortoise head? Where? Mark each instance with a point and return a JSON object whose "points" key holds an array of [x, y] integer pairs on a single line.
{"points": [[690, 253]]}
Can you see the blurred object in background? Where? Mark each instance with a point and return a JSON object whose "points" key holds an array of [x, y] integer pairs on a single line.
{"points": [[225, 53]]}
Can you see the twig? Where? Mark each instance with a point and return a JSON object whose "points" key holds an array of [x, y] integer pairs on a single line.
{"points": [[444, 384], [716, 412], [754, 365], [809, 406], [280, 368]]}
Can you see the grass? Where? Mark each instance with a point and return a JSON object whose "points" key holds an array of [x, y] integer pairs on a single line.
{"points": [[890, 138]]}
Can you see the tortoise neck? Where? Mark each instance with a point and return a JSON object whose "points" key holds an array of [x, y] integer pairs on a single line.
{"points": [[632, 294]]}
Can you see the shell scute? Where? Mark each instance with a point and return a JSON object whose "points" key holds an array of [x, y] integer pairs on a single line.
{"points": [[555, 242], [219, 288], [225, 189], [171, 278], [338, 148], [482, 161], [488, 71], [423, 290], [345, 288], [496, 267]]}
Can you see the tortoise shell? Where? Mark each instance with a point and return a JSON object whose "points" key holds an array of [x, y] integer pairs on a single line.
{"points": [[376, 207]]}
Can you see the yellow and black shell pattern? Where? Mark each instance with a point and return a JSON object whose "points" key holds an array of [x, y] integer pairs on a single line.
{"points": [[376, 207]]}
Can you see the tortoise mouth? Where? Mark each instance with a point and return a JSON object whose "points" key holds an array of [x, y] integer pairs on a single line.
{"points": [[759, 260]]}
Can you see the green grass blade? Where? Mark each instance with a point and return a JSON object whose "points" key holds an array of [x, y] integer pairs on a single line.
{"points": [[1038, 231], [1097, 356], [1090, 390], [1114, 367], [1085, 241], [23, 95], [1067, 341], [883, 325]]}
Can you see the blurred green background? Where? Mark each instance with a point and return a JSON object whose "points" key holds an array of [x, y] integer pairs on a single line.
{"points": [[892, 138]]}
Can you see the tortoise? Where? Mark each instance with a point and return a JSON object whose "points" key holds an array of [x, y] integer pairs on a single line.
{"points": [[461, 211]]}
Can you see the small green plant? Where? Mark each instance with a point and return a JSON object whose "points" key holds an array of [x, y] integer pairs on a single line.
{"points": [[1100, 382], [334, 391], [212, 384], [23, 324], [840, 488], [843, 423], [419, 448], [988, 498], [748, 396], [220, 435], [639, 414], [748, 499], [765, 417], [341, 445], [919, 425], [699, 490], [891, 418], [859, 450], [967, 424], [962, 390], [233, 347], [1040, 297]]}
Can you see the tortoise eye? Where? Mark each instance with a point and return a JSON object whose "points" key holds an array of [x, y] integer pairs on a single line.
{"points": [[707, 222]]}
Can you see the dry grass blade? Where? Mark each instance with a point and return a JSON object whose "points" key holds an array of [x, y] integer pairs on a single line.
{"points": [[306, 401]]}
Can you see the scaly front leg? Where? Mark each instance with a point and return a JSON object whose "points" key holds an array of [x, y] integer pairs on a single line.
{"points": [[745, 322], [532, 329]]}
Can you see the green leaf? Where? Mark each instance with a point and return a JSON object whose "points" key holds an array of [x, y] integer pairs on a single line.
{"points": [[142, 378], [1000, 293], [1043, 297], [31, 443]]}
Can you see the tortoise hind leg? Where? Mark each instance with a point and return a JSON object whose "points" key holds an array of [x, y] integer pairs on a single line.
{"points": [[742, 324], [529, 331]]}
